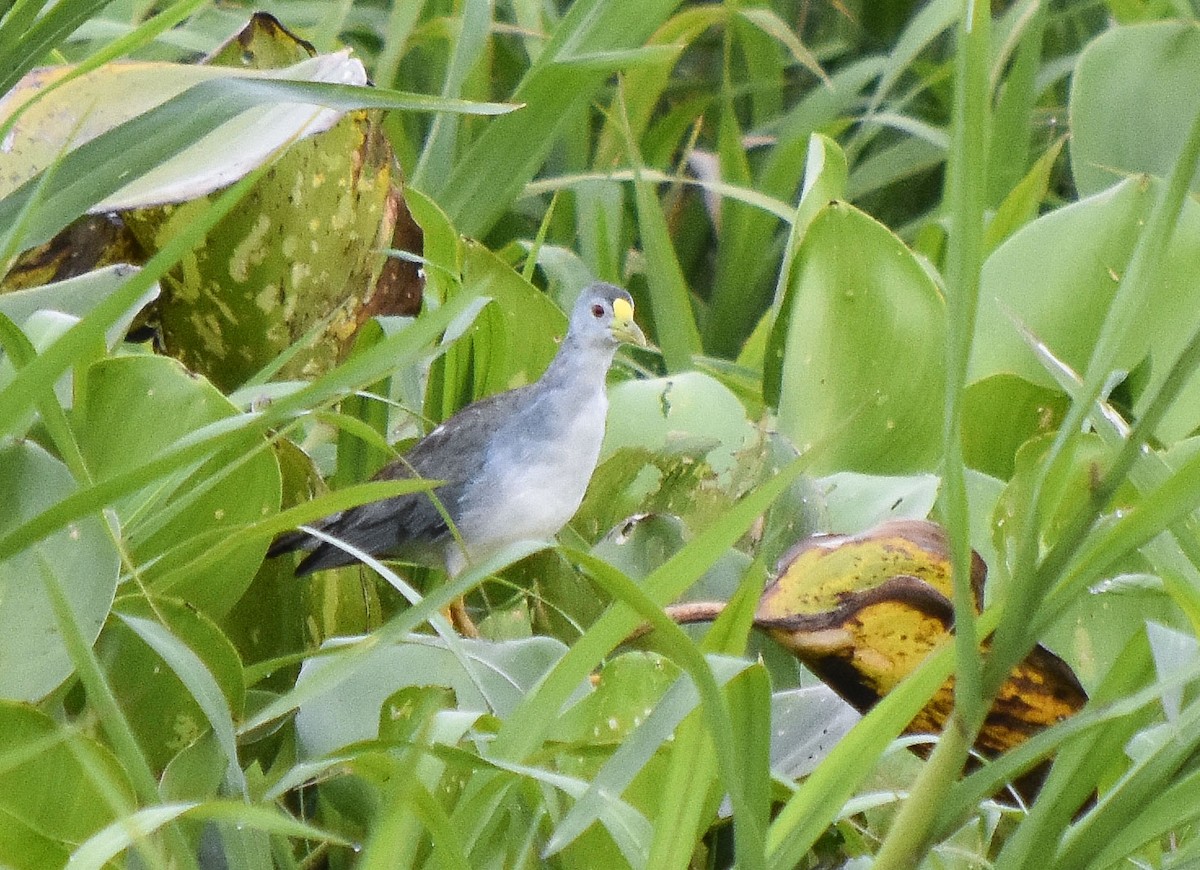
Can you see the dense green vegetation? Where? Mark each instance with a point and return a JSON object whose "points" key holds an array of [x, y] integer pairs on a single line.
{"points": [[899, 260]]}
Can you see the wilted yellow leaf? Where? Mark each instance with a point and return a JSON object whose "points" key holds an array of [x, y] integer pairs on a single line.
{"points": [[862, 611]]}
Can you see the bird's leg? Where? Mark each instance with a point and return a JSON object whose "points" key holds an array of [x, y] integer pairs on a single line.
{"points": [[461, 619], [457, 561]]}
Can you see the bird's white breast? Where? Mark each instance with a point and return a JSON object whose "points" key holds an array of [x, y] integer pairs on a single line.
{"points": [[538, 483]]}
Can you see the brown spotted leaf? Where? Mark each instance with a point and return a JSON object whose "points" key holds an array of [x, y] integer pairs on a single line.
{"points": [[297, 265]]}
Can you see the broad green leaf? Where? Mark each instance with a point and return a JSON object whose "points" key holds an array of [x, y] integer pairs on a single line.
{"points": [[442, 249], [1132, 101], [1097, 627], [703, 672], [158, 685], [613, 737], [524, 728], [1000, 413], [136, 408], [192, 671], [99, 101], [517, 342], [97, 169], [864, 362], [825, 173], [498, 675], [33, 659], [76, 297], [510, 342], [857, 502], [48, 784], [689, 411], [626, 692], [805, 726], [24, 847], [38, 332], [195, 773], [1057, 278]]}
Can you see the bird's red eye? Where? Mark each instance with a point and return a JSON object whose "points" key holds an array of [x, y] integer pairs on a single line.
{"points": [[597, 310]]}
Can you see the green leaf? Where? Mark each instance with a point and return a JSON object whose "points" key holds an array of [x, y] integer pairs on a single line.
{"points": [[35, 36], [24, 847], [33, 659], [516, 343], [362, 445], [817, 802], [1012, 119], [193, 684], [99, 168], [94, 103], [138, 406], [689, 411], [493, 678], [174, 679], [637, 704], [76, 297], [47, 781], [864, 361], [1142, 75], [1057, 277], [1000, 413], [240, 432], [825, 173], [529, 722], [1021, 204]]}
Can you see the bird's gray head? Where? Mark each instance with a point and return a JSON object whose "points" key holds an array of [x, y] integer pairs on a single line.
{"points": [[603, 315]]}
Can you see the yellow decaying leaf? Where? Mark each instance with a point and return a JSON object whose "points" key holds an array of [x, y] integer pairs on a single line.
{"points": [[862, 611]]}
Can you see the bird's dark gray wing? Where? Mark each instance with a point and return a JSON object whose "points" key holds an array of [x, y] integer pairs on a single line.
{"points": [[410, 526]]}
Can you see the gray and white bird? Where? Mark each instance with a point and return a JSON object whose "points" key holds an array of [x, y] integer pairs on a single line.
{"points": [[515, 465]]}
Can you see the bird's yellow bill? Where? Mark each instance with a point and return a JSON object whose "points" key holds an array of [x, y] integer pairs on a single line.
{"points": [[623, 326]]}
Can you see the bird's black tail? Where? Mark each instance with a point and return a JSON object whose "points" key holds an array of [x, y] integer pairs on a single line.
{"points": [[290, 542], [321, 554]]}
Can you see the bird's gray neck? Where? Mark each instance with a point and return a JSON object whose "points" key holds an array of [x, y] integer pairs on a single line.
{"points": [[580, 366]]}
